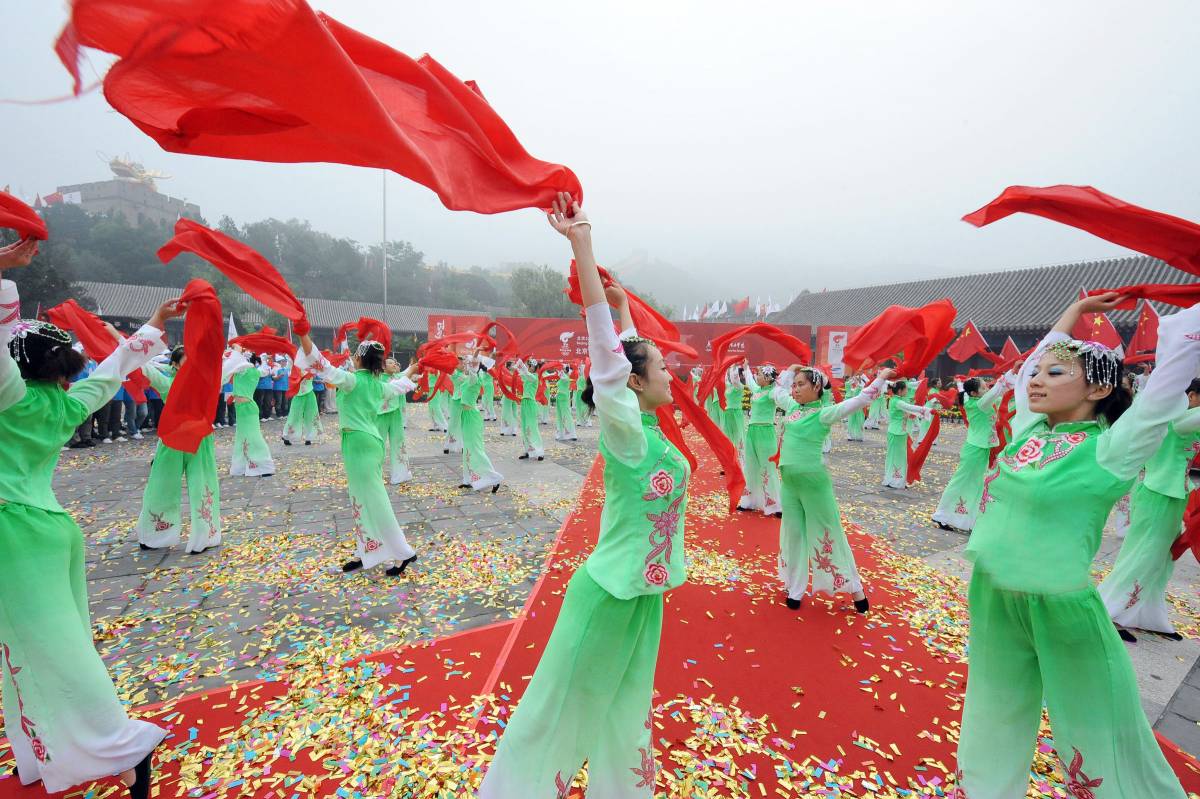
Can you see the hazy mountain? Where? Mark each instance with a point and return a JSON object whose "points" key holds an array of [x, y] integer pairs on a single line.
{"points": [[669, 283]]}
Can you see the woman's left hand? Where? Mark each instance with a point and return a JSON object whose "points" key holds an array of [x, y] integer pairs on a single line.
{"points": [[566, 216]]}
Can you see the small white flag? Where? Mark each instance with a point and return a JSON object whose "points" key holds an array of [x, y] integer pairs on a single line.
{"points": [[232, 332]]}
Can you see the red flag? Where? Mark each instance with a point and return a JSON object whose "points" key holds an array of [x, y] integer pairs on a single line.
{"points": [[740, 306], [969, 342], [1174, 240], [1145, 337], [1010, 350], [187, 417], [911, 336], [265, 342], [20, 217], [253, 273], [274, 81], [1096, 327]]}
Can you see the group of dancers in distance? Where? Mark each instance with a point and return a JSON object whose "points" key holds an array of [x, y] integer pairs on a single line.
{"points": [[1077, 442]]}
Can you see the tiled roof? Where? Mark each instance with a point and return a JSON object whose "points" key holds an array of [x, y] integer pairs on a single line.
{"points": [[1017, 300], [117, 300]]}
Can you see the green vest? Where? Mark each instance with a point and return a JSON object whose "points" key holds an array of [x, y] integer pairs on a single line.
{"points": [[1044, 506], [1167, 471], [564, 390], [34, 431], [358, 408], [529, 387], [640, 550], [981, 424], [245, 382], [762, 405], [805, 428]]}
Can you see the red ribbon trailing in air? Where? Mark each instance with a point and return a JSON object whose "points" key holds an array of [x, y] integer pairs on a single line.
{"points": [[187, 417], [274, 81], [912, 337], [438, 360], [917, 455], [252, 273], [20, 217], [1190, 537], [721, 363], [649, 322], [1004, 416], [97, 341], [370, 329], [1183, 296], [718, 442], [1174, 240], [265, 342]]}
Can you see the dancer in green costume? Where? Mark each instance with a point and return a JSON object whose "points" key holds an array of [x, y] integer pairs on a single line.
{"points": [[159, 523], [899, 414], [378, 537], [733, 415], [510, 410], [1135, 591], [590, 697], [454, 412], [854, 422], [487, 397], [531, 437], [811, 538], [251, 456], [583, 413], [437, 411], [960, 499], [762, 476], [477, 470], [1039, 630], [64, 721], [876, 414], [303, 421], [391, 420], [564, 418]]}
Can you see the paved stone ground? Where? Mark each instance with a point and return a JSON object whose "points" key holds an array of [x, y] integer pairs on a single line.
{"points": [[169, 623]]}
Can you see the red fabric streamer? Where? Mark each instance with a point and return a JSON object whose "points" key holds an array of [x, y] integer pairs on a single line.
{"points": [[911, 336], [509, 350], [1004, 416], [265, 342], [916, 457], [969, 342], [274, 81], [1174, 240], [20, 217], [693, 414], [720, 344], [97, 341], [649, 322], [1190, 537], [1183, 296], [373, 330], [508, 383], [438, 360], [339, 336], [295, 378], [336, 359], [187, 417], [252, 273]]}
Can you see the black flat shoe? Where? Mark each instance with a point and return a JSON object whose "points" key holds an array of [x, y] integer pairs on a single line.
{"points": [[308, 443], [464, 485], [1126, 636], [495, 488], [141, 779], [286, 443], [396, 571], [146, 548], [1169, 636], [778, 514], [524, 457], [793, 604], [351, 565], [541, 457], [862, 605], [944, 526], [446, 451]]}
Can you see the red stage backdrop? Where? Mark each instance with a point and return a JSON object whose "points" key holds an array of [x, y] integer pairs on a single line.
{"points": [[831, 341], [567, 339]]}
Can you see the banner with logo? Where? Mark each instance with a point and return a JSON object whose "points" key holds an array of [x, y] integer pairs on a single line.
{"points": [[831, 343]]}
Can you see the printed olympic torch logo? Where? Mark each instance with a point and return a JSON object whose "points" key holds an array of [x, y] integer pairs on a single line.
{"points": [[565, 339]]}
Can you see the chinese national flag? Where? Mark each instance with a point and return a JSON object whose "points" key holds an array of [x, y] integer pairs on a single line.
{"points": [[1010, 351], [741, 306], [1096, 327], [1145, 337], [969, 342]]}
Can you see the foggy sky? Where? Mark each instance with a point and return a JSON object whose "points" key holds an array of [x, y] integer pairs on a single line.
{"points": [[772, 148]]}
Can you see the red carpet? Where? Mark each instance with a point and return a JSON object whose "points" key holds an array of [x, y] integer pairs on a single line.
{"points": [[753, 699]]}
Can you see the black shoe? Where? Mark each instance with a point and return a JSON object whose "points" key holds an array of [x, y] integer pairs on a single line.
{"points": [[495, 488], [446, 451], [744, 508], [524, 457], [1169, 636], [464, 485], [943, 525], [541, 457], [862, 605], [141, 779], [396, 571], [793, 604], [150, 549], [351, 565], [778, 514], [1126, 636], [286, 443], [308, 443]]}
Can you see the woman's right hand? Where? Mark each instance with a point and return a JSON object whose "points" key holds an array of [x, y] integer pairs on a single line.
{"points": [[616, 296], [886, 374], [171, 309], [18, 254], [566, 216]]}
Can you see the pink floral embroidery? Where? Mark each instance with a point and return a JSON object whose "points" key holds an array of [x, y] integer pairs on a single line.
{"points": [[655, 574], [961, 507], [959, 792], [1075, 438], [206, 507], [987, 490], [139, 344], [1030, 452], [1078, 785], [27, 726], [1135, 595], [160, 523], [1063, 447], [665, 526], [661, 484], [823, 561], [563, 786], [645, 773]]}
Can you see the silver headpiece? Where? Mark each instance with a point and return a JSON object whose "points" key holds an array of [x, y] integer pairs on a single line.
{"points": [[363, 346], [1102, 367], [21, 332]]}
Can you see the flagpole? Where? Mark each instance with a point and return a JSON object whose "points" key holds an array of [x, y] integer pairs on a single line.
{"points": [[386, 320]]}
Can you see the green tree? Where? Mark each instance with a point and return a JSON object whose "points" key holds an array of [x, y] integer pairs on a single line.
{"points": [[540, 291]]}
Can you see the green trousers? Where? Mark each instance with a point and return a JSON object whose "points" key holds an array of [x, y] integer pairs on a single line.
{"points": [[476, 465], [583, 413], [159, 523], [895, 464], [454, 414], [303, 421], [564, 419], [854, 426], [437, 412], [811, 538], [531, 437], [251, 455], [509, 417], [762, 477], [960, 499], [589, 699], [61, 712], [1063, 649], [391, 428], [1135, 591], [378, 536], [733, 424]]}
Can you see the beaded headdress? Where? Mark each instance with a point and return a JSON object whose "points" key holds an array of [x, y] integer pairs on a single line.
{"points": [[1102, 366], [32, 337], [369, 344], [815, 376]]}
